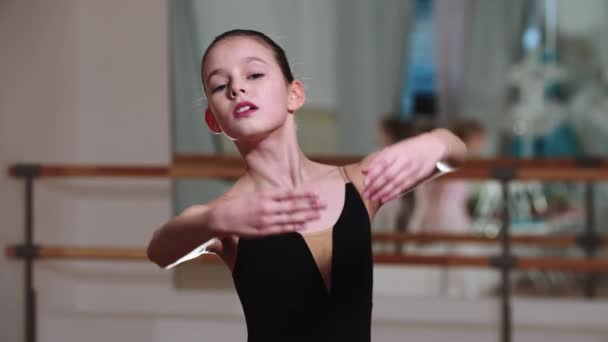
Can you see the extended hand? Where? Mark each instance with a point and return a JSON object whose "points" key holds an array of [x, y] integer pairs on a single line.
{"points": [[400, 166], [259, 214]]}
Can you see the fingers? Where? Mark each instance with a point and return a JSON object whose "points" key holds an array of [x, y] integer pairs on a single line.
{"points": [[372, 173], [370, 163], [282, 195], [290, 205], [296, 218], [413, 180], [284, 223], [393, 192], [373, 168], [287, 211], [387, 177], [379, 177], [395, 185]]}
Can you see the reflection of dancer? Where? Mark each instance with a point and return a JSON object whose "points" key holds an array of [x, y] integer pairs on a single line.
{"points": [[394, 215], [294, 233], [442, 207]]}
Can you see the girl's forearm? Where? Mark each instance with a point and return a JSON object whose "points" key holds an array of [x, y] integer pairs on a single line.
{"points": [[455, 151], [180, 236]]}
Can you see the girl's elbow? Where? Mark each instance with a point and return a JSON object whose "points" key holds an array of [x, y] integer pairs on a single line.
{"points": [[155, 255]]}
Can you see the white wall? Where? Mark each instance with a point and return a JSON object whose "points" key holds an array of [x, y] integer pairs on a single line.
{"points": [[86, 81], [37, 122], [82, 82], [581, 18], [585, 22]]}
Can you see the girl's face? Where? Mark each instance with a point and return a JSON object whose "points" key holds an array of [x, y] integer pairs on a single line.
{"points": [[246, 91]]}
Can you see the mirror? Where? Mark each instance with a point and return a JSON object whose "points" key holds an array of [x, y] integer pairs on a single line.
{"points": [[518, 78]]}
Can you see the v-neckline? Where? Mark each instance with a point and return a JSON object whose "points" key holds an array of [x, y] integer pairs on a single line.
{"points": [[302, 237]]}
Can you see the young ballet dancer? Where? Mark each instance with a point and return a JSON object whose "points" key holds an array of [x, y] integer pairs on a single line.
{"points": [[294, 233]]}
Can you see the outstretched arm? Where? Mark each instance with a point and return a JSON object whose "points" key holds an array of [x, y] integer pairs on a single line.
{"points": [[402, 166], [201, 228], [184, 237]]}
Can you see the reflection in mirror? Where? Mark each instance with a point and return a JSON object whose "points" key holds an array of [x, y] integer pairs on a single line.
{"points": [[513, 79]]}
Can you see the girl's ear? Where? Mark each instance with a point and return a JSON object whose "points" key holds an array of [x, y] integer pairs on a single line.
{"points": [[297, 97], [212, 122]]}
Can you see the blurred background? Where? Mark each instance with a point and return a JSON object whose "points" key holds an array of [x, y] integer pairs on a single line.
{"points": [[118, 82]]}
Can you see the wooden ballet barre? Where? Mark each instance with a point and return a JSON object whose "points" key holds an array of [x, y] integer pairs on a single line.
{"points": [[200, 160], [93, 253], [556, 241], [139, 254], [126, 171], [231, 167], [65, 170], [524, 169], [233, 171], [535, 263]]}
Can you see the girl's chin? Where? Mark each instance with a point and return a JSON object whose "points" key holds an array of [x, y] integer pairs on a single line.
{"points": [[249, 137], [253, 134]]}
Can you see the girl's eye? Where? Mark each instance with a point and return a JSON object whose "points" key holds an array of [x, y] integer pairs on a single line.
{"points": [[256, 76], [219, 88]]}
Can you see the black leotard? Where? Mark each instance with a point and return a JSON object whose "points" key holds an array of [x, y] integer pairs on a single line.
{"points": [[282, 291]]}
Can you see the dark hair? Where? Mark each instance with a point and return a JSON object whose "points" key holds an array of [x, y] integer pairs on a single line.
{"points": [[278, 51], [422, 125], [466, 128], [395, 127]]}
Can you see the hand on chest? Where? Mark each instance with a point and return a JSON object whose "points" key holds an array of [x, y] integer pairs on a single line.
{"points": [[332, 194]]}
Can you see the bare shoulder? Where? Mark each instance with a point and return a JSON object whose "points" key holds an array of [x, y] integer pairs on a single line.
{"points": [[197, 209], [354, 173], [355, 170]]}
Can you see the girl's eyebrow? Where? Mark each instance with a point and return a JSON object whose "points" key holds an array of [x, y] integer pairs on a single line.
{"points": [[251, 59], [244, 60]]}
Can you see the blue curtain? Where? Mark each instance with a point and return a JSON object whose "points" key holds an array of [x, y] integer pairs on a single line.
{"points": [[420, 73]]}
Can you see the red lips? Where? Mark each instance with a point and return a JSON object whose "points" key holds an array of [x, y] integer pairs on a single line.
{"points": [[244, 109]]}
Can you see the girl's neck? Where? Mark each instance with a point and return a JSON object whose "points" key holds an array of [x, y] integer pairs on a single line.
{"points": [[277, 160]]}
